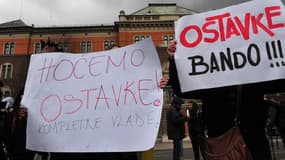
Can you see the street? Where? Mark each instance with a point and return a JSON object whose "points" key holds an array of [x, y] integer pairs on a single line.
{"points": [[164, 151]]}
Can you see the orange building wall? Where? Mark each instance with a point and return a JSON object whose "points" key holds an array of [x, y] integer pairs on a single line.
{"points": [[21, 45], [26, 44], [126, 38], [74, 42]]}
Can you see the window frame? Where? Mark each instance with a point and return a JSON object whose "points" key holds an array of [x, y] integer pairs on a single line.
{"points": [[37, 48], [9, 48], [108, 43], [6, 71]]}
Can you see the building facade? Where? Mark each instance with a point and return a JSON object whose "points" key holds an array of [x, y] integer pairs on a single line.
{"points": [[19, 41]]}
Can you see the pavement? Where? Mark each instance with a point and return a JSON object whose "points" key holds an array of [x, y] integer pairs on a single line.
{"points": [[168, 145], [163, 150]]}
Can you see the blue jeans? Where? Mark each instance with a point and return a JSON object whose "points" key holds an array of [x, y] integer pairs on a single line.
{"points": [[177, 149]]}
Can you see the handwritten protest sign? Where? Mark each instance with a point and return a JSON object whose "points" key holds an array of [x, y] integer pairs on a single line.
{"points": [[100, 102], [235, 45]]}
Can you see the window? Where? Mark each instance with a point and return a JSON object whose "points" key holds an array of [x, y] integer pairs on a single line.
{"points": [[37, 48], [85, 46], [130, 18], [146, 18], [6, 71], [89, 46], [139, 38], [64, 46], [9, 49], [138, 17], [108, 44], [167, 39], [155, 17]]}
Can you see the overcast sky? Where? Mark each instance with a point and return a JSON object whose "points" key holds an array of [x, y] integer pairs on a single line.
{"points": [[88, 12]]}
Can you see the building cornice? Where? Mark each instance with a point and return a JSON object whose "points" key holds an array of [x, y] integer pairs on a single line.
{"points": [[133, 24], [36, 30]]}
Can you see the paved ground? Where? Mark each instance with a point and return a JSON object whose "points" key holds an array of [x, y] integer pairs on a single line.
{"points": [[163, 151]]}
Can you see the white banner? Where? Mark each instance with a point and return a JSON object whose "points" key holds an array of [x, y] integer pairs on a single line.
{"points": [[235, 45], [100, 102]]}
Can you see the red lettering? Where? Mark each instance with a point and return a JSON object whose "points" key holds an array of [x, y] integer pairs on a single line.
{"points": [[57, 67], [210, 31], [222, 27], [231, 29], [56, 103], [140, 89], [54, 106], [75, 66], [256, 22], [128, 90], [102, 96], [89, 66], [71, 99], [117, 98], [244, 29], [157, 81], [220, 22], [270, 15], [134, 57], [94, 63], [183, 35], [110, 61], [88, 95]]}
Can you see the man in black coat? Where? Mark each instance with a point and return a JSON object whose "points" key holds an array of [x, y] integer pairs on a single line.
{"points": [[196, 129], [276, 114], [176, 119]]}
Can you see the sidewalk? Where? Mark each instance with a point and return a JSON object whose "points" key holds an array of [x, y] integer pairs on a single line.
{"points": [[168, 145], [163, 150]]}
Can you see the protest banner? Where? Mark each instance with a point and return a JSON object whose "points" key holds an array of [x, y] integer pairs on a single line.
{"points": [[106, 101], [241, 44]]}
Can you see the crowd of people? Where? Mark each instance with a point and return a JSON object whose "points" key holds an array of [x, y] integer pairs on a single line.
{"points": [[220, 110], [213, 118], [177, 116], [13, 129]]}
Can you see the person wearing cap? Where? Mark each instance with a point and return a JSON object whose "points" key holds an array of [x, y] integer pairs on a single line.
{"points": [[175, 120]]}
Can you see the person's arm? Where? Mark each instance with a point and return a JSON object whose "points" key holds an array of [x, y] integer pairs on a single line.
{"points": [[173, 80], [180, 118], [175, 84]]}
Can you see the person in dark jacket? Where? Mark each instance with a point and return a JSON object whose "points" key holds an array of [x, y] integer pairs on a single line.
{"points": [[280, 120], [220, 108], [196, 129], [175, 120], [18, 132], [276, 114]]}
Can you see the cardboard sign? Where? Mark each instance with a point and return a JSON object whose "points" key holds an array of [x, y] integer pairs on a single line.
{"points": [[98, 102], [240, 44]]}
